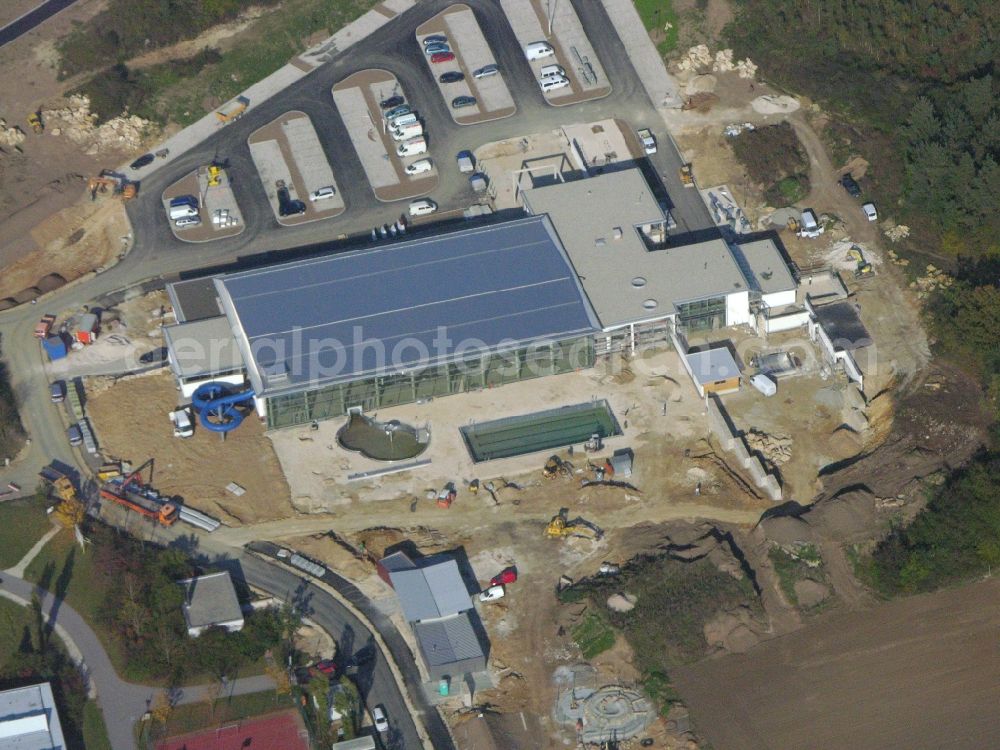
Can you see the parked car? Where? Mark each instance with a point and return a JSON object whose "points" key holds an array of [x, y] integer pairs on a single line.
{"points": [[609, 569], [412, 147], [452, 76], [869, 211], [143, 161], [422, 207], [435, 39], [466, 162], [379, 720], [549, 71], [154, 356], [400, 120], [492, 594], [463, 101], [442, 57], [850, 185], [397, 111], [324, 667], [486, 71], [419, 167], [505, 576], [188, 221], [287, 206], [392, 101], [57, 392], [74, 435], [435, 49], [322, 194], [553, 83], [538, 50]]}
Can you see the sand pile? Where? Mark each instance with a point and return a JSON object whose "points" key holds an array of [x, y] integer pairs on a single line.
{"points": [[700, 57], [10, 135], [79, 124]]}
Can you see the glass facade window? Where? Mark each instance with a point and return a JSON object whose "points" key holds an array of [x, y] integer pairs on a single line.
{"points": [[381, 391], [703, 315]]}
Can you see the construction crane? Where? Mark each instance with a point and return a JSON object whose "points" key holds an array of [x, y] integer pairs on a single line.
{"points": [[560, 526], [116, 183], [133, 494]]}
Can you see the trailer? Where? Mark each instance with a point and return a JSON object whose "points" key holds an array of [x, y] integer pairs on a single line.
{"points": [[44, 325], [133, 495], [648, 141], [234, 110]]}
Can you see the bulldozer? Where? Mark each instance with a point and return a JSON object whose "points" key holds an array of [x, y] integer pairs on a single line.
{"points": [[116, 183], [555, 467], [560, 526], [687, 175], [35, 121]]}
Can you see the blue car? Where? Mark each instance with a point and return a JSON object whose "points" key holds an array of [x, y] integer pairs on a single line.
{"points": [[433, 49]]}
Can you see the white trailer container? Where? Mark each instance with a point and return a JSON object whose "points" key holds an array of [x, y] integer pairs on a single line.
{"points": [[764, 384]]}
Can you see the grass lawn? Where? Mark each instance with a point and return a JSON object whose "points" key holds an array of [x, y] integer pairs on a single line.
{"points": [[194, 716], [95, 733], [13, 619], [593, 635], [655, 14], [22, 523]]}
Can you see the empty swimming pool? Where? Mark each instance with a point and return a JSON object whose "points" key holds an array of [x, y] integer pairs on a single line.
{"points": [[541, 431]]}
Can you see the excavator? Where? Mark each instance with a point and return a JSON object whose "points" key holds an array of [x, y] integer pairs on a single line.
{"points": [[560, 526], [119, 186], [35, 121], [864, 267], [687, 175], [555, 467], [214, 175]]}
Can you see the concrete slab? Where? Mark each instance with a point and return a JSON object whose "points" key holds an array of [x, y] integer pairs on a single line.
{"points": [[287, 150], [215, 200], [573, 51], [472, 52], [357, 98]]}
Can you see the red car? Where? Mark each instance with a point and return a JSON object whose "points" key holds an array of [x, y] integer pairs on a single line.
{"points": [[326, 668], [442, 57], [505, 576]]}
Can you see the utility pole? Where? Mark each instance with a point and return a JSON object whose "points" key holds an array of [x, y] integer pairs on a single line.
{"points": [[550, 8]]}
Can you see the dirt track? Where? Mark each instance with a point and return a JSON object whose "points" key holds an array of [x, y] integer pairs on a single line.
{"points": [[922, 672]]}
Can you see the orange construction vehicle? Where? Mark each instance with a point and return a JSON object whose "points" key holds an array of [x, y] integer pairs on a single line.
{"points": [[116, 183], [133, 494]]}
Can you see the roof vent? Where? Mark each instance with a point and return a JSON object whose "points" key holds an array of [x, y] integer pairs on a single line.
{"points": [[650, 304], [638, 282], [600, 242], [275, 372], [617, 233]]}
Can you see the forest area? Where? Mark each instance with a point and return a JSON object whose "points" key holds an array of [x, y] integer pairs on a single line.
{"points": [[916, 81]]}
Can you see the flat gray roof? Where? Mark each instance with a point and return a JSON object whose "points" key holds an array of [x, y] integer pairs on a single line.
{"points": [[843, 325], [764, 266], [711, 365], [203, 347], [448, 641], [194, 299], [597, 220], [29, 719], [431, 592], [210, 600], [404, 306]]}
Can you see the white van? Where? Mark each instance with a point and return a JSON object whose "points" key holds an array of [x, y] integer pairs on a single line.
{"points": [[412, 147], [552, 71], [407, 131], [400, 120], [422, 207], [419, 167], [182, 212], [553, 83], [538, 50]]}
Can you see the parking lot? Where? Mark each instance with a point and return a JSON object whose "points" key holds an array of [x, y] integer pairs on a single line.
{"points": [[357, 98], [294, 170], [472, 52], [218, 213], [573, 50]]}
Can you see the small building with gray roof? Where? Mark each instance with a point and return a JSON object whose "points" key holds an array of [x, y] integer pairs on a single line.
{"points": [[29, 719], [210, 601]]}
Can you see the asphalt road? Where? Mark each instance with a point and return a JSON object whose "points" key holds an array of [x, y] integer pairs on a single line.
{"points": [[157, 255], [20, 26]]}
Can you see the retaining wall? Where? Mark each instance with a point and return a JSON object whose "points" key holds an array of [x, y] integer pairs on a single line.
{"points": [[732, 441]]}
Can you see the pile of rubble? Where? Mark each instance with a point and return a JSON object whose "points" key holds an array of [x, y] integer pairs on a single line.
{"points": [[934, 278], [700, 57], [10, 135], [79, 124], [777, 449], [897, 233]]}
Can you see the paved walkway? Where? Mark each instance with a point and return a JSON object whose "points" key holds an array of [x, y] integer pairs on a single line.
{"points": [[31, 554], [122, 703]]}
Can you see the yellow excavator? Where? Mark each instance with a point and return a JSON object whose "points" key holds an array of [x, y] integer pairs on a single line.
{"points": [[555, 467], [560, 526], [214, 176], [35, 121], [864, 267]]}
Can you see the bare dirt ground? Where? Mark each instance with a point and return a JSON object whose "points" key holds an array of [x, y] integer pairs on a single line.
{"points": [[915, 673], [131, 422]]}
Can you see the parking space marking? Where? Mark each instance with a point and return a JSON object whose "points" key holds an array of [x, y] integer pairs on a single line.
{"points": [[357, 99], [310, 159], [573, 50], [472, 51]]}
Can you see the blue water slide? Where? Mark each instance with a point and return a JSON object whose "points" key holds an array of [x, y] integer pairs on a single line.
{"points": [[218, 400]]}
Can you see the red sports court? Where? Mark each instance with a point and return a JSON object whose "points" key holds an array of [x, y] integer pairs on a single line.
{"points": [[283, 729]]}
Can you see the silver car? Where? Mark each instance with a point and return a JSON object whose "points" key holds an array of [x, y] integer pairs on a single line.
{"points": [[486, 71]]}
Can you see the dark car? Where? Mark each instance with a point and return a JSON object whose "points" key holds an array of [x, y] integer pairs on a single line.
{"points": [[463, 101], [154, 357], [442, 57], [143, 161], [392, 101], [850, 185], [287, 206], [435, 39], [452, 76], [432, 49]]}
